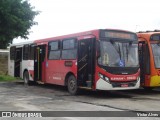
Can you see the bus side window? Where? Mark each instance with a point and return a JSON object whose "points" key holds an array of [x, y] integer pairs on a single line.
{"points": [[25, 52], [31, 54], [69, 50], [12, 53], [54, 50]]}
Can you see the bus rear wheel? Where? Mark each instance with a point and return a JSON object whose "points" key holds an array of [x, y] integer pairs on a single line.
{"points": [[72, 85], [26, 78]]}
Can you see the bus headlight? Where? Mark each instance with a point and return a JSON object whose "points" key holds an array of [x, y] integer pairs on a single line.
{"points": [[107, 79], [104, 77], [101, 76]]}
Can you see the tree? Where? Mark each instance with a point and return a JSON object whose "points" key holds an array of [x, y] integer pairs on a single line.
{"points": [[16, 18]]}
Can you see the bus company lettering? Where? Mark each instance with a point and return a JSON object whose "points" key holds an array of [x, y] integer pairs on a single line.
{"points": [[117, 78], [57, 78], [124, 78]]}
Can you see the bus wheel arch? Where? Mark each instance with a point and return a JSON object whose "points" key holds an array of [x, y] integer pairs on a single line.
{"points": [[71, 83], [66, 78]]}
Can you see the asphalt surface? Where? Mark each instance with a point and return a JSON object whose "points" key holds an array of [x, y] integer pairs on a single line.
{"points": [[14, 96]]}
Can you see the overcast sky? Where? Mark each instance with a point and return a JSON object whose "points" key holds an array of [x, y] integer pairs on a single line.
{"points": [[60, 17]]}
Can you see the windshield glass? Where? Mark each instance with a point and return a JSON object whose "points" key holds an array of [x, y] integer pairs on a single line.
{"points": [[156, 54], [118, 54]]}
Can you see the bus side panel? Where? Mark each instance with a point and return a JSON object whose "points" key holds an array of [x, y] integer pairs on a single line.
{"points": [[155, 81], [11, 65], [27, 65], [43, 70], [56, 71]]}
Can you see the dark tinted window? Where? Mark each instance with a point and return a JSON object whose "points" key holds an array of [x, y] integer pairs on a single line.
{"points": [[26, 52], [53, 45], [155, 37], [69, 44], [31, 55], [69, 50], [53, 55], [146, 59], [69, 54], [54, 50], [12, 52]]}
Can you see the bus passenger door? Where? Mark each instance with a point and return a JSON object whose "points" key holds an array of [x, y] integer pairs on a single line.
{"points": [[39, 63], [18, 60], [86, 62], [144, 60]]}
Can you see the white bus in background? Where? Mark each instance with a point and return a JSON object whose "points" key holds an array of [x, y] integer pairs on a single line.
{"points": [[21, 59]]}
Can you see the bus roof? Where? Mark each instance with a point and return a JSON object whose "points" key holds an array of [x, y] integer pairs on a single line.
{"points": [[147, 34], [68, 35], [22, 43], [95, 32]]}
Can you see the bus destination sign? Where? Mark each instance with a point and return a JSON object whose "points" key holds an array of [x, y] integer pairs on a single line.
{"points": [[116, 34]]}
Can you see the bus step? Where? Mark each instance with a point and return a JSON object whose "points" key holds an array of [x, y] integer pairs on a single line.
{"points": [[88, 88], [89, 83], [40, 82]]}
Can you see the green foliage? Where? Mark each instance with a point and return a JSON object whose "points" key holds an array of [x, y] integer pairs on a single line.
{"points": [[4, 78], [16, 18]]}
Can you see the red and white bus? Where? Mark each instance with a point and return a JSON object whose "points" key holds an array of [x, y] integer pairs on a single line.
{"points": [[103, 59]]}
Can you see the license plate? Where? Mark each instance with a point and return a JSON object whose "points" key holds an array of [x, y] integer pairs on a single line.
{"points": [[124, 85]]}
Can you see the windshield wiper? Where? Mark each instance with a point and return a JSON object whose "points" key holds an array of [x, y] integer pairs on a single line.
{"points": [[118, 50], [127, 51], [128, 48]]}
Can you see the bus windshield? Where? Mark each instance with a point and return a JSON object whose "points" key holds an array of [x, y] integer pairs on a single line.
{"points": [[156, 54], [118, 54]]}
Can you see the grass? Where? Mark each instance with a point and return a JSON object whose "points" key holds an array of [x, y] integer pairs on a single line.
{"points": [[5, 78]]}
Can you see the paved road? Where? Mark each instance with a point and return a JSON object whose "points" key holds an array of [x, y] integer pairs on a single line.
{"points": [[14, 96]]}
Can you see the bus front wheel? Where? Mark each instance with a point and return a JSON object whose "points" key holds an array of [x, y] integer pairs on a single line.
{"points": [[72, 85]]}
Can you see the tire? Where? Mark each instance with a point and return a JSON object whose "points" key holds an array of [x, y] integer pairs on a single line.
{"points": [[72, 85], [26, 78]]}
